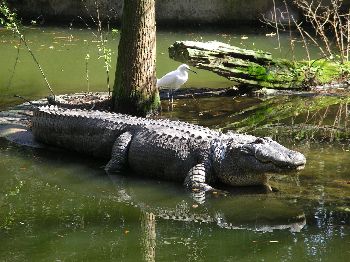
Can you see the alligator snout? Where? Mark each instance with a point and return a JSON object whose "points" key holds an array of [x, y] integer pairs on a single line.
{"points": [[269, 151], [295, 162], [299, 160]]}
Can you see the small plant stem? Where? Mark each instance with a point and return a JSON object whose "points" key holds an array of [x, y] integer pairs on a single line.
{"points": [[276, 25], [290, 30], [87, 72], [104, 49]]}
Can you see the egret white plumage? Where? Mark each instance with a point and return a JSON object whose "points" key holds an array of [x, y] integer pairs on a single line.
{"points": [[174, 79]]}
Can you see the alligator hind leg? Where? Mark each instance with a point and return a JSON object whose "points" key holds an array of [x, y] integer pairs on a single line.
{"points": [[119, 153]]}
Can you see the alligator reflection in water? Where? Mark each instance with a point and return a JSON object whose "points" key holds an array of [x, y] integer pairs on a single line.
{"points": [[260, 212]]}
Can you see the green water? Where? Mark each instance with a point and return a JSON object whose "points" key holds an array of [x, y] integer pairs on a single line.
{"points": [[59, 206]]}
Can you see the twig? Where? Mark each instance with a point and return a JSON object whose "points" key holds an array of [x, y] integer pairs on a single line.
{"points": [[303, 38], [25, 99], [14, 66], [37, 63], [290, 30], [12, 24], [276, 24]]}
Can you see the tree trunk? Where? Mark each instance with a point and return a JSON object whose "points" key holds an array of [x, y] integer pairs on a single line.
{"points": [[135, 90], [257, 68]]}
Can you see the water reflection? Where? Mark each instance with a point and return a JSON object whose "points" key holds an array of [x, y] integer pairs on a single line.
{"points": [[283, 117], [148, 236]]}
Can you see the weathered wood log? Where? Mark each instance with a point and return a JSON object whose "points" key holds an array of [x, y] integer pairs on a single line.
{"points": [[256, 68]]}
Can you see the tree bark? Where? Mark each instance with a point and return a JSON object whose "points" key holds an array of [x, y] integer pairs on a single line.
{"points": [[135, 90]]}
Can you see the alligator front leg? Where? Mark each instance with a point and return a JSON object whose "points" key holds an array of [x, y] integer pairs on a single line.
{"points": [[196, 177], [119, 153]]}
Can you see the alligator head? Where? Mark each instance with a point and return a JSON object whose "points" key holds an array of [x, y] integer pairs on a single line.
{"points": [[249, 160]]}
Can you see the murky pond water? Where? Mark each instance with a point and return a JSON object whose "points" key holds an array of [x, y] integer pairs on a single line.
{"points": [[59, 206]]}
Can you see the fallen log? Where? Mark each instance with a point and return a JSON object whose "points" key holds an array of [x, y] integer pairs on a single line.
{"points": [[258, 68]]}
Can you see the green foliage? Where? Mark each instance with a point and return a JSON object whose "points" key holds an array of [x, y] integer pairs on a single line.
{"points": [[115, 31], [258, 71], [8, 18], [105, 54]]}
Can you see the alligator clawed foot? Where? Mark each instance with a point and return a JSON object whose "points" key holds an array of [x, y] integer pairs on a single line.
{"points": [[270, 189]]}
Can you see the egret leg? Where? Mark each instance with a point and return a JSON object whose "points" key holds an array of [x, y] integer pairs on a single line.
{"points": [[172, 96]]}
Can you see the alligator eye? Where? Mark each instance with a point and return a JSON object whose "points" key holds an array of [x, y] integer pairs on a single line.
{"points": [[259, 140]]}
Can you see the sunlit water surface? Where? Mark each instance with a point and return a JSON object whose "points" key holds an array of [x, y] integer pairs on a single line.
{"points": [[59, 206]]}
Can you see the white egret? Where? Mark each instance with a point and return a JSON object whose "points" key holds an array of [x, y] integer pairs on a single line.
{"points": [[174, 79]]}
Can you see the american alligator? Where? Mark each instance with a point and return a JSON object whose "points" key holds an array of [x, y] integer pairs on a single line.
{"points": [[172, 150]]}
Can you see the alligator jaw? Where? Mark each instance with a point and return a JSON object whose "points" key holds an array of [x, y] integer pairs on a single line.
{"points": [[270, 152], [254, 165], [286, 166], [301, 167]]}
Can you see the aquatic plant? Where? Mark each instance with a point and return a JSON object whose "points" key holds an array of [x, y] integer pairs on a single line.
{"points": [[104, 52]]}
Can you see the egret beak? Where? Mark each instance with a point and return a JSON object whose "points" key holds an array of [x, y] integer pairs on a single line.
{"points": [[192, 71]]}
